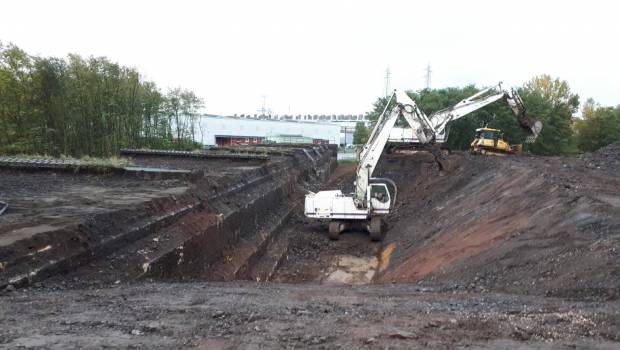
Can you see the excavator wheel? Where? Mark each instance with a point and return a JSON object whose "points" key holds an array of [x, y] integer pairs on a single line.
{"points": [[375, 229], [334, 230]]}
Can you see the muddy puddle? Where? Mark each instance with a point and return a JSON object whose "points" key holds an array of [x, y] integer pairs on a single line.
{"points": [[348, 269]]}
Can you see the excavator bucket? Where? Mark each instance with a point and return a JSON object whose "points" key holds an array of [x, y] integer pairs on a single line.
{"points": [[532, 126], [447, 162], [518, 148], [535, 131]]}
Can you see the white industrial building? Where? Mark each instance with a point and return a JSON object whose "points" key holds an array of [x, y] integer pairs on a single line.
{"points": [[215, 129], [346, 122]]}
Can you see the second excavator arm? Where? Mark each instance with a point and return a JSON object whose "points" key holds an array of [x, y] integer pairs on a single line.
{"points": [[441, 118]]}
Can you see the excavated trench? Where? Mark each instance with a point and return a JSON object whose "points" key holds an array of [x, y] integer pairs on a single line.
{"points": [[171, 216], [524, 225], [512, 252], [546, 226]]}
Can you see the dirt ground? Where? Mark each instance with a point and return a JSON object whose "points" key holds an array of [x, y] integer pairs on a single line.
{"points": [[514, 252], [191, 163], [57, 198], [528, 225], [312, 257], [247, 315], [546, 226]]}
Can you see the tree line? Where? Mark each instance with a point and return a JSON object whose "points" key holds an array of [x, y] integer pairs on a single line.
{"points": [[547, 99], [87, 106]]}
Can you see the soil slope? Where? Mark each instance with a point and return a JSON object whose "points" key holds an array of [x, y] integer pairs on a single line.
{"points": [[528, 225]]}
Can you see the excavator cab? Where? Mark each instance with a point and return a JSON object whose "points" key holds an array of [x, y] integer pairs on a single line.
{"points": [[379, 198], [489, 134]]}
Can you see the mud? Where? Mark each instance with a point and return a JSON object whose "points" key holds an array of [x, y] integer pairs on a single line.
{"points": [[311, 257]]}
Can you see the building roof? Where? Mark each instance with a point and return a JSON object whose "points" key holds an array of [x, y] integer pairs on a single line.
{"points": [[268, 120]]}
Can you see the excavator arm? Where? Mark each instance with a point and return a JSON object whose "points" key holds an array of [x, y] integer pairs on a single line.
{"points": [[372, 150], [426, 128], [441, 118], [372, 198]]}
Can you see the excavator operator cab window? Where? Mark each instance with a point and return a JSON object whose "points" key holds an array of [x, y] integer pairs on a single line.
{"points": [[489, 135], [379, 192]]}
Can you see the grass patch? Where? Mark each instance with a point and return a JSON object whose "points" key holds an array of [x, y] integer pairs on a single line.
{"points": [[347, 160], [116, 162]]}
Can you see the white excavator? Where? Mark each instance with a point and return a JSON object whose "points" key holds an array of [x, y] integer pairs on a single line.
{"points": [[437, 131], [372, 198]]}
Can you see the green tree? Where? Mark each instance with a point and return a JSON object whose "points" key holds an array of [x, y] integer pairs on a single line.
{"points": [[87, 106], [48, 91], [182, 106], [16, 113], [377, 108], [550, 100], [360, 135], [546, 99], [599, 127]]}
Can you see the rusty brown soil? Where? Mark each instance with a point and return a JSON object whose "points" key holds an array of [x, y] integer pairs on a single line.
{"points": [[527, 225]]}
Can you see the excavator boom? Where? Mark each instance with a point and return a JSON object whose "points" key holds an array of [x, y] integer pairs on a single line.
{"points": [[440, 119], [532, 126], [372, 150]]}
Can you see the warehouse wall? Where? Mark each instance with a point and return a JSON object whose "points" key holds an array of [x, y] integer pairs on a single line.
{"points": [[212, 126]]}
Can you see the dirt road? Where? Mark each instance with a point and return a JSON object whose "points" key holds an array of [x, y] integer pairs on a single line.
{"points": [[248, 315]]}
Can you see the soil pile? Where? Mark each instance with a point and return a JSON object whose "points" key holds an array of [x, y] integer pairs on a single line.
{"points": [[606, 158], [527, 225]]}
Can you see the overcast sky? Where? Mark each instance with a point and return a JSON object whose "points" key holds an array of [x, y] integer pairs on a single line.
{"points": [[324, 57]]}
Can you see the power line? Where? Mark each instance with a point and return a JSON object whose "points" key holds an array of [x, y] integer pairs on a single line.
{"points": [[387, 81], [263, 109], [428, 75]]}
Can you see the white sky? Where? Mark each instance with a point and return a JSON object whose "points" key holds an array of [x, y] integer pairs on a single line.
{"points": [[324, 57]]}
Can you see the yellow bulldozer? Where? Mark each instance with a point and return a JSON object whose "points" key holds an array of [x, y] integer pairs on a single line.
{"points": [[490, 141]]}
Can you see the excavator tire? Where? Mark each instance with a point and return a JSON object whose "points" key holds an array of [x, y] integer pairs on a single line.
{"points": [[375, 229], [334, 230]]}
